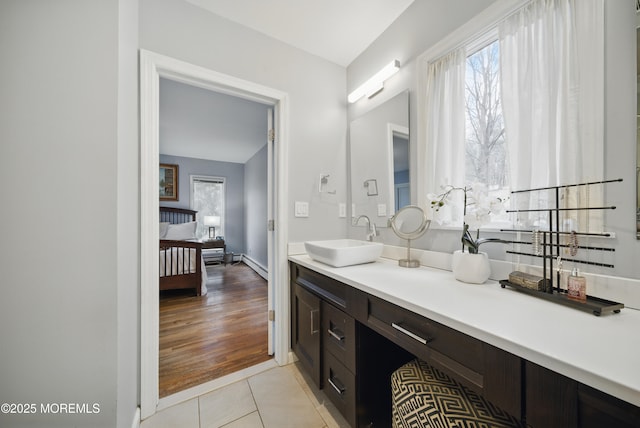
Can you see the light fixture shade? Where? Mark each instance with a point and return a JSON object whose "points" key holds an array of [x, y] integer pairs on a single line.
{"points": [[375, 83], [212, 220]]}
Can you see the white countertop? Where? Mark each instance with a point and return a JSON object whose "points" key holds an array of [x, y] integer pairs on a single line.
{"points": [[602, 352]]}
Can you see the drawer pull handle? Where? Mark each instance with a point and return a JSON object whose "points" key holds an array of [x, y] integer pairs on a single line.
{"points": [[315, 321], [335, 335], [338, 389], [410, 334]]}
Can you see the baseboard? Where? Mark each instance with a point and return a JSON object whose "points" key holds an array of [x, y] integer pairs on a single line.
{"points": [[260, 270]]}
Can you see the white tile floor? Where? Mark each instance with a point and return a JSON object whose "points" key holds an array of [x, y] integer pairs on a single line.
{"points": [[278, 397]]}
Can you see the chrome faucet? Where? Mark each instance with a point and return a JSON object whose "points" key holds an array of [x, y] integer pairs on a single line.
{"points": [[372, 231]]}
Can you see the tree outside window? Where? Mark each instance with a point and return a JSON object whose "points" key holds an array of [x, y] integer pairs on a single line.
{"points": [[486, 154]]}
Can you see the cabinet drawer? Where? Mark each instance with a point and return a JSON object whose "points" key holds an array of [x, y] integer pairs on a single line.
{"points": [[339, 335], [340, 386], [442, 347], [330, 290]]}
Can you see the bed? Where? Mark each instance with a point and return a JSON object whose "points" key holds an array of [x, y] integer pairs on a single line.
{"points": [[181, 262]]}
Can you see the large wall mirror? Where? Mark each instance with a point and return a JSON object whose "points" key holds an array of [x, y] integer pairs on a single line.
{"points": [[379, 142]]}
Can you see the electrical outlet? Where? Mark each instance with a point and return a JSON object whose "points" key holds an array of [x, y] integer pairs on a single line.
{"points": [[382, 210]]}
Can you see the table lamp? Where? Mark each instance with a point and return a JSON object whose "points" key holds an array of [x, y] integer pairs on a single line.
{"points": [[212, 221]]}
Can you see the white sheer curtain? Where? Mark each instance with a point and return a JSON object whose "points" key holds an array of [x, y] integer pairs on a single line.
{"points": [[552, 65], [445, 127]]}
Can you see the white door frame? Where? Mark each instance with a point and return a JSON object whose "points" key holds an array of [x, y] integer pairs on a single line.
{"points": [[271, 168], [152, 67]]}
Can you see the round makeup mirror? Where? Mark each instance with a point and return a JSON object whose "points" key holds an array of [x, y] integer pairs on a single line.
{"points": [[410, 223]]}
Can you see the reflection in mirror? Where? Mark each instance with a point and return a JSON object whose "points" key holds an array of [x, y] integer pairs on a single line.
{"points": [[399, 137], [379, 144], [409, 223]]}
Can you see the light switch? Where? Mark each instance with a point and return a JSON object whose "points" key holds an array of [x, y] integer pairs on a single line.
{"points": [[382, 210], [342, 210], [301, 209]]}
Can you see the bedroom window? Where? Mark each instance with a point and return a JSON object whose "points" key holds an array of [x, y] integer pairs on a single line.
{"points": [[207, 197]]}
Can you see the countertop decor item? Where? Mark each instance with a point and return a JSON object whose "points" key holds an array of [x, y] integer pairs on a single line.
{"points": [[409, 223], [575, 295], [477, 210], [471, 266]]}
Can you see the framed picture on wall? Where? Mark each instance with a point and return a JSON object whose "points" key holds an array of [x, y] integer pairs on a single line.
{"points": [[168, 182]]}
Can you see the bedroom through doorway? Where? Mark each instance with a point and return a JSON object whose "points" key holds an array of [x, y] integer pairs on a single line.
{"points": [[247, 243], [218, 142]]}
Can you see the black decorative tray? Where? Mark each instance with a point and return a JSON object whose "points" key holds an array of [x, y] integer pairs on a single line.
{"points": [[594, 305]]}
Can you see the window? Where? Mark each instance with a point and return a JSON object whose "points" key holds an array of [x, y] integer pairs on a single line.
{"points": [[486, 164], [509, 110], [207, 197], [466, 130]]}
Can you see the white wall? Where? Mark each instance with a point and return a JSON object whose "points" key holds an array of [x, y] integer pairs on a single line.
{"points": [[316, 89], [61, 310], [256, 213], [426, 22]]}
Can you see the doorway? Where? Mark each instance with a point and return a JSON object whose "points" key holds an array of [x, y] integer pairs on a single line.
{"points": [[152, 67]]}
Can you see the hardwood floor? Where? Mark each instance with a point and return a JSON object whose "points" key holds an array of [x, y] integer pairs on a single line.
{"points": [[204, 338]]}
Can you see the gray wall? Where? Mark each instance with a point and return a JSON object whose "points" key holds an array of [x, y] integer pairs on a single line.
{"points": [[64, 281], [128, 250], [255, 201], [426, 22], [316, 89], [234, 230]]}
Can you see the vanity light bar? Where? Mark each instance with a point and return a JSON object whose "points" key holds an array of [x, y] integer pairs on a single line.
{"points": [[375, 83]]}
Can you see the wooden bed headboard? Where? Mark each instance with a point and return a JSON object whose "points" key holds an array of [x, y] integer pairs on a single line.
{"points": [[177, 215]]}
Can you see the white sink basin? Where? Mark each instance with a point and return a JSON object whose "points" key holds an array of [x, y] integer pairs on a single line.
{"points": [[343, 252]]}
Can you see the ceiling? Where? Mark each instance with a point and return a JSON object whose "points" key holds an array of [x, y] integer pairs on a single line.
{"points": [[202, 124], [336, 30]]}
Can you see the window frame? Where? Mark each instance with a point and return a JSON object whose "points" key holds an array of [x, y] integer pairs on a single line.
{"points": [[473, 36], [210, 179]]}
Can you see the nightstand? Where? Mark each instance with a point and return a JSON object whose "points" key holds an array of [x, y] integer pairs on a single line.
{"points": [[213, 251]]}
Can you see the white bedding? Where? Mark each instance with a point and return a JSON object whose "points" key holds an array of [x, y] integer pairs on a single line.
{"points": [[177, 267]]}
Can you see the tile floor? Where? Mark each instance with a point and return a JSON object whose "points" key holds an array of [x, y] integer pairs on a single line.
{"points": [[278, 397]]}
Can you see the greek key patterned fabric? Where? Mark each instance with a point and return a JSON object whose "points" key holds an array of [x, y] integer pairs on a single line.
{"points": [[425, 397]]}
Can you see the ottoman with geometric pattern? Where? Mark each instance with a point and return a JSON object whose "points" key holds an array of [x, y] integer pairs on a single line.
{"points": [[425, 397]]}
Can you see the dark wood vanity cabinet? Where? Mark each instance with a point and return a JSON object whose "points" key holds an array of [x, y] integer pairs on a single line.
{"points": [[350, 342], [556, 401], [347, 360], [492, 372], [305, 330]]}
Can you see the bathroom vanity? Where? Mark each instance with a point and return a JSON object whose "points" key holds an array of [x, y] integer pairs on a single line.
{"points": [[548, 365]]}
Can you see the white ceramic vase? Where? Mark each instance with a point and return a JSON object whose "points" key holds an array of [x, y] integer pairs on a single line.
{"points": [[471, 268]]}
